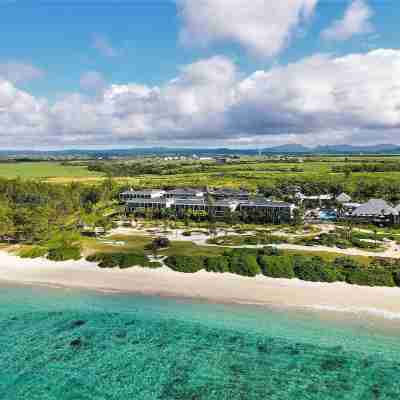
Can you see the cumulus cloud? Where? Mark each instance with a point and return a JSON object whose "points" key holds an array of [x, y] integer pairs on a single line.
{"points": [[263, 27], [320, 99], [355, 21], [23, 118], [104, 46], [18, 72]]}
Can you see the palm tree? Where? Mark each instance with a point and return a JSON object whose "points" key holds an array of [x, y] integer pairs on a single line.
{"points": [[349, 229], [376, 236]]}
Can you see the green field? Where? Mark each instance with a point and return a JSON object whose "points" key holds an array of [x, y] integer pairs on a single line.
{"points": [[45, 169], [314, 173]]}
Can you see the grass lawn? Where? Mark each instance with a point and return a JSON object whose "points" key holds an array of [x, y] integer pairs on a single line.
{"points": [[181, 248], [138, 243], [191, 249], [46, 169]]}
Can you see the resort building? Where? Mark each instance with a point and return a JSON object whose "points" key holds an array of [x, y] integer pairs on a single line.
{"points": [[272, 211], [135, 204], [184, 193], [321, 200], [219, 208], [221, 194], [219, 202], [141, 194], [376, 211], [343, 198], [194, 204]]}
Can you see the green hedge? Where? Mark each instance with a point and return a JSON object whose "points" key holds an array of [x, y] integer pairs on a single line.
{"points": [[270, 262], [33, 252], [217, 264], [122, 260], [64, 253], [186, 263], [277, 266], [246, 265], [314, 269], [369, 277]]}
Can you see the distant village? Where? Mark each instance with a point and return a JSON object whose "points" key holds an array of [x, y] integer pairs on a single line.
{"points": [[221, 202]]}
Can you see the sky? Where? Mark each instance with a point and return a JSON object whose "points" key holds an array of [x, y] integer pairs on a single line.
{"points": [[198, 73]]}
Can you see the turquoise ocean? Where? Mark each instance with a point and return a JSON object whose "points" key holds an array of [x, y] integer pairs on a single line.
{"points": [[66, 344]]}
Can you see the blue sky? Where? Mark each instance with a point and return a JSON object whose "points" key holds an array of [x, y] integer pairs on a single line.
{"points": [[141, 42], [57, 36]]}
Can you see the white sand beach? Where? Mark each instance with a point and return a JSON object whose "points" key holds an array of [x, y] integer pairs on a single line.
{"points": [[261, 290]]}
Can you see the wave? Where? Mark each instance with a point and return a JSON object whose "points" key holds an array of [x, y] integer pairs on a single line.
{"points": [[377, 312]]}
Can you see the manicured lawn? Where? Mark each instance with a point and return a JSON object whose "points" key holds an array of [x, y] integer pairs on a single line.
{"points": [[138, 243], [190, 249]]}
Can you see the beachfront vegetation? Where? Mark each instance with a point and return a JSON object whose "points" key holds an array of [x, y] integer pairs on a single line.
{"points": [[122, 260], [277, 264]]}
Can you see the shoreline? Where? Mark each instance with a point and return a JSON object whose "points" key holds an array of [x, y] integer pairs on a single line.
{"points": [[382, 302]]}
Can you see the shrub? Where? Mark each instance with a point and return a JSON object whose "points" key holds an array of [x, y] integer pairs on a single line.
{"points": [[396, 277], [314, 269], [240, 252], [217, 264], [33, 252], [64, 253], [270, 251], [346, 262], [132, 260], [158, 243], [277, 266], [245, 265], [120, 260], [189, 264], [370, 277]]}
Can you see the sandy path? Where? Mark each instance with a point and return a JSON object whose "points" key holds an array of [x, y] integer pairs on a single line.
{"points": [[392, 250]]}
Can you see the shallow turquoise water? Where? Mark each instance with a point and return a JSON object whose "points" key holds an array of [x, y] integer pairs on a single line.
{"points": [[68, 344]]}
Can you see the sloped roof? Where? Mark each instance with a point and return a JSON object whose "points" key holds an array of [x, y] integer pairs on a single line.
{"points": [[375, 207], [143, 192], [184, 191], [190, 202], [157, 200], [265, 203], [343, 198]]}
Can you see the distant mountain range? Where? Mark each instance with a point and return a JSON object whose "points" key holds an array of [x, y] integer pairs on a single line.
{"points": [[334, 149], [287, 149]]}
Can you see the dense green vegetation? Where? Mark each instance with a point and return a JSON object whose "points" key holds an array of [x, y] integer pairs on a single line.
{"points": [[132, 169], [248, 240], [368, 167], [50, 217], [276, 264], [122, 260], [343, 239], [279, 178], [361, 177]]}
